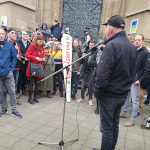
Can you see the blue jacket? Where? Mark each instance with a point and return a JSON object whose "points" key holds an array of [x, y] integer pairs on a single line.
{"points": [[56, 31], [8, 58]]}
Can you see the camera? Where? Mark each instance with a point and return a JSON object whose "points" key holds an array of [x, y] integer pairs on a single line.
{"points": [[22, 58]]}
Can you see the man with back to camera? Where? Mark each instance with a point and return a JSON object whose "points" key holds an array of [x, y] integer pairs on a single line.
{"points": [[113, 79], [8, 59]]}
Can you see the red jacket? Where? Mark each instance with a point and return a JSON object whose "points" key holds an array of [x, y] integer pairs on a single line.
{"points": [[31, 55]]}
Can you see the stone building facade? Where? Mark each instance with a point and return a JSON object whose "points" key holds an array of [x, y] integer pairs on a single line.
{"points": [[31, 13]]}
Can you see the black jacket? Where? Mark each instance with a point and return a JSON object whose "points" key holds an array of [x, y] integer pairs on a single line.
{"points": [[115, 69], [22, 66], [142, 67]]}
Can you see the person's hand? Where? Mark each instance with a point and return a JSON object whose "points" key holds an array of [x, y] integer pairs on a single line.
{"points": [[26, 59], [39, 59], [136, 82], [97, 62], [42, 31], [43, 59], [78, 73], [18, 58]]}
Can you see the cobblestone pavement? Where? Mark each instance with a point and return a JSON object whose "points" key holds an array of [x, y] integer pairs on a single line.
{"points": [[43, 122]]}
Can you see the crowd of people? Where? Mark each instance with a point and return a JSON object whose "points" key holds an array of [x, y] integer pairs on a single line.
{"points": [[107, 72], [42, 47]]}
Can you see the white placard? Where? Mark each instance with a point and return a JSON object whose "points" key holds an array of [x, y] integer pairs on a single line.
{"points": [[4, 20], [67, 59]]}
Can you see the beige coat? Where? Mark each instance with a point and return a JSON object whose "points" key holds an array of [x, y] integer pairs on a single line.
{"points": [[47, 85]]}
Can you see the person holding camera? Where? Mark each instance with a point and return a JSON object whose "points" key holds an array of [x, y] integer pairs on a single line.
{"points": [[56, 30], [45, 31], [22, 81], [35, 54]]}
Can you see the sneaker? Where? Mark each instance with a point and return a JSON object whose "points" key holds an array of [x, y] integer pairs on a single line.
{"points": [[54, 92], [80, 100], [16, 114], [90, 103], [3, 112], [61, 94], [17, 102]]}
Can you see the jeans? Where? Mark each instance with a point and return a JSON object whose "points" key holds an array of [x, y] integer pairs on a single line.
{"points": [[109, 108], [83, 86], [74, 83], [16, 76], [5, 91], [60, 81], [148, 95], [10, 85], [135, 92]]}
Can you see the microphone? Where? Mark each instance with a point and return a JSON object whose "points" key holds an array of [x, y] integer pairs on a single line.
{"points": [[99, 43]]}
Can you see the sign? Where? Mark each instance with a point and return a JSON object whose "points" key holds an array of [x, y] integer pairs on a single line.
{"points": [[4, 20], [67, 59], [133, 26]]}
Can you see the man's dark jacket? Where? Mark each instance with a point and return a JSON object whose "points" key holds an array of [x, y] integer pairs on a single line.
{"points": [[115, 69], [22, 66], [142, 67]]}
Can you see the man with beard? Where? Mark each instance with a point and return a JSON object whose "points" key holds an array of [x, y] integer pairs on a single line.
{"points": [[11, 37], [8, 59]]}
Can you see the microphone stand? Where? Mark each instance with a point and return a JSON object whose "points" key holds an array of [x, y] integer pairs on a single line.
{"points": [[61, 143]]}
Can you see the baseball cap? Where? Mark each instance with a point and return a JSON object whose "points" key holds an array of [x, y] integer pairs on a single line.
{"points": [[52, 35], [56, 20], [87, 28], [10, 29], [47, 45], [116, 21]]}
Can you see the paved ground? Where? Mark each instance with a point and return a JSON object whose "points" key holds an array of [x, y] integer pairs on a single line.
{"points": [[43, 121]]}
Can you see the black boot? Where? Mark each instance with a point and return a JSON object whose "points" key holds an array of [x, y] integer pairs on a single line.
{"points": [[97, 109], [35, 97], [30, 98]]}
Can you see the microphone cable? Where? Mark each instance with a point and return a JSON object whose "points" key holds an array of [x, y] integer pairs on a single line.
{"points": [[77, 126]]}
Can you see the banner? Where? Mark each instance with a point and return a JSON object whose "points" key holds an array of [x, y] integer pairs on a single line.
{"points": [[67, 59], [133, 26]]}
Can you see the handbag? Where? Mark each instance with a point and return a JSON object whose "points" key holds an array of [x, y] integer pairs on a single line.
{"points": [[36, 69]]}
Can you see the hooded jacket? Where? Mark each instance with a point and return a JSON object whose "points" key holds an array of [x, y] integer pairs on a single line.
{"points": [[56, 31], [8, 58], [47, 33]]}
